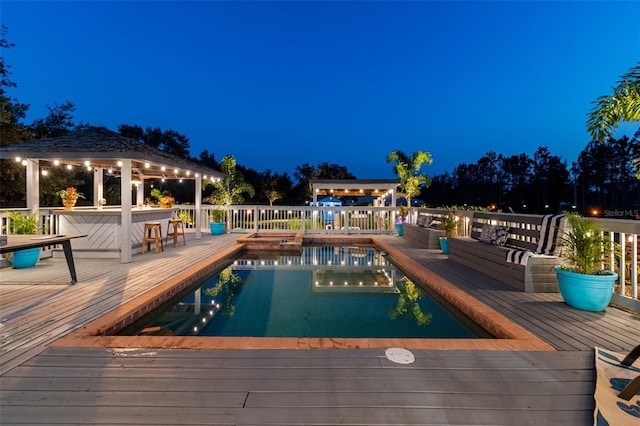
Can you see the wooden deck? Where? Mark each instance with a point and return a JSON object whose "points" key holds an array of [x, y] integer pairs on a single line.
{"points": [[66, 385]]}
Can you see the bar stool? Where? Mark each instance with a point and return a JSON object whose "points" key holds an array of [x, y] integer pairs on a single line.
{"points": [[147, 239], [178, 229]]}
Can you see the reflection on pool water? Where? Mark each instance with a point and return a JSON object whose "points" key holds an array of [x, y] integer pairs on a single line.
{"points": [[339, 292]]}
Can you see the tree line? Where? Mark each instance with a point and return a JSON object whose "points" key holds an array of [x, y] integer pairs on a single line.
{"points": [[603, 177]]}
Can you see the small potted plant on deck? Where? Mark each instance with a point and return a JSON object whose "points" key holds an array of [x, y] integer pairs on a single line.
{"points": [[216, 222], [584, 283], [24, 225], [448, 224], [400, 219]]}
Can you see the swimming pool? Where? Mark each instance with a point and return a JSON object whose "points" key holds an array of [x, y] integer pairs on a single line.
{"points": [[333, 292]]}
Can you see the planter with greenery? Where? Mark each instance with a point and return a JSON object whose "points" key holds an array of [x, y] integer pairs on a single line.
{"points": [[24, 225], [400, 219], [216, 221], [227, 191], [449, 226], [69, 197], [582, 281]]}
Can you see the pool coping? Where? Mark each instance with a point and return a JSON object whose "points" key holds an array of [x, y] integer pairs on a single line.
{"points": [[99, 333]]}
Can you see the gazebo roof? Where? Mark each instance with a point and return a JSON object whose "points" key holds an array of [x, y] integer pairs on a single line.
{"points": [[102, 147], [352, 187]]}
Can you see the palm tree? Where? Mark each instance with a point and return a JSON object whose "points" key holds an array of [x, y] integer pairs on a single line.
{"points": [[407, 168], [622, 105], [229, 189]]}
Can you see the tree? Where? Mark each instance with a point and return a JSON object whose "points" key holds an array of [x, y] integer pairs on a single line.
{"points": [[516, 172], [274, 186], [604, 173], [549, 180], [12, 112], [407, 168], [229, 189], [59, 122], [12, 132], [611, 110], [307, 172], [208, 160], [169, 141]]}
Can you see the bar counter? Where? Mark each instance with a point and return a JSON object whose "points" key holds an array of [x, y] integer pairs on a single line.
{"points": [[103, 228]]}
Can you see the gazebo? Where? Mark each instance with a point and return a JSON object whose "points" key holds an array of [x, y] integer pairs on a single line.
{"points": [[101, 150], [376, 188]]}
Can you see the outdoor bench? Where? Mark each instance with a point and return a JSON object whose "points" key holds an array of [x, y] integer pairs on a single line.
{"points": [[425, 233], [509, 248]]}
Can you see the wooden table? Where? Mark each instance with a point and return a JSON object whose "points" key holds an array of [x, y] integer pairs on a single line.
{"points": [[19, 242]]}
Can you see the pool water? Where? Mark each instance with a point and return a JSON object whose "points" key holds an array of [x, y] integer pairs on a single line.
{"points": [[340, 292]]}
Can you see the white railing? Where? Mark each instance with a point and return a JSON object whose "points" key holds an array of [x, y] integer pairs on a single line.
{"points": [[376, 220], [329, 220]]}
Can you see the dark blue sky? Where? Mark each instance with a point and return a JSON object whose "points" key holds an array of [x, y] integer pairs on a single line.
{"points": [[279, 84]]}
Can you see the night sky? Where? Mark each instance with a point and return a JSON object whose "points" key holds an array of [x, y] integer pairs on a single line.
{"points": [[279, 84]]}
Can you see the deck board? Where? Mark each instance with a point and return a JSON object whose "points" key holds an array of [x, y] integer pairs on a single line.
{"points": [[40, 384]]}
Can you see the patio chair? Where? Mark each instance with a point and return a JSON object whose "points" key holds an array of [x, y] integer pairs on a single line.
{"points": [[634, 386], [617, 393]]}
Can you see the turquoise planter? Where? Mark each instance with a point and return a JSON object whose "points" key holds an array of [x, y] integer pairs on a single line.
{"points": [[399, 228], [444, 245], [217, 228], [586, 292], [25, 258]]}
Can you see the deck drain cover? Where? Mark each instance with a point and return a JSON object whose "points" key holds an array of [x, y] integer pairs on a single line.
{"points": [[399, 356]]}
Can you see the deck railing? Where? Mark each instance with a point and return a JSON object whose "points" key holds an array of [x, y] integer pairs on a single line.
{"points": [[377, 220], [338, 220]]}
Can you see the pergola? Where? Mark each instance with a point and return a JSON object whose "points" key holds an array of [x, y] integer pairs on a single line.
{"points": [[101, 150], [377, 188]]}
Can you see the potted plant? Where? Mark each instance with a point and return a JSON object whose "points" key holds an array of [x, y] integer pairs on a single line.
{"points": [[166, 201], [216, 222], [400, 219], [24, 225], [583, 283], [448, 223], [69, 197]]}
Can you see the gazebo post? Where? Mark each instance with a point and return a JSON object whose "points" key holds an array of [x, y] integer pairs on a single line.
{"points": [[98, 186], [125, 218], [140, 192], [197, 213], [33, 186]]}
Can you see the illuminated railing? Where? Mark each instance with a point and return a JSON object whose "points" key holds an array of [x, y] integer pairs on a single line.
{"points": [[329, 220], [623, 233]]}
